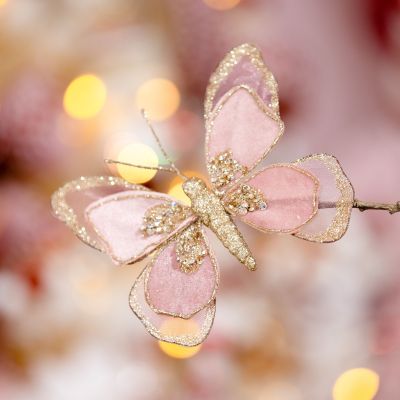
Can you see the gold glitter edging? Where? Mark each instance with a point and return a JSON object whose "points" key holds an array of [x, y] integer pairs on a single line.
{"points": [[263, 108], [151, 264], [149, 248], [344, 205], [292, 166], [64, 212], [224, 68], [184, 340]]}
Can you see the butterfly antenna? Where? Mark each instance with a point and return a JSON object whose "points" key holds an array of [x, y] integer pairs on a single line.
{"points": [[164, 168], [157, 139]]}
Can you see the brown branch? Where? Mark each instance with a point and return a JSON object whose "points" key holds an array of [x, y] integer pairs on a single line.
{"points": [[392, 208]]}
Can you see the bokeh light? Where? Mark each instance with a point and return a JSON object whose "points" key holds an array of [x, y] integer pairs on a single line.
{"points": [[177, 326], [3, 2], [139, 154], [221, 4], [85, 97], [160, 98], [356, 384], [175, 188]]}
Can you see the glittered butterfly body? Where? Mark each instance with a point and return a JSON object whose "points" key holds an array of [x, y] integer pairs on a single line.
{"points": [[310, 198]]}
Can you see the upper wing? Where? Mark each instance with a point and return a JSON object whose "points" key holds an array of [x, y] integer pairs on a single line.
{"points": [[128, 223], [242, 116], [180, 281], [311, 199]]}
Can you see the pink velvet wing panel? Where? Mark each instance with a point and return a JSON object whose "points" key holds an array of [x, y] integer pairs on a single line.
{"points": [[71, 200], [240, 133], [186, 332], [175, 290], [279, 198], [335, 200], [118, 221], [242, 66]]}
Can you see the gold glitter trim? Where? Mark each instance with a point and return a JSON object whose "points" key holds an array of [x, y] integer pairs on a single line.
{"points": [[225, 68], [64, 212], [155, 256], [293, 166], [344, 205], [151, 247], [267, 112], [184, 340]]}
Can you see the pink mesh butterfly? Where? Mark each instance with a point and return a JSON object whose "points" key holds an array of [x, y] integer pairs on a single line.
{"points": [[310, 199]]}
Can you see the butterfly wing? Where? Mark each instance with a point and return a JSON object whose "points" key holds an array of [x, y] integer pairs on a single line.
{"points": [[114, 223], [278, 198], [180, 282], [336, 198], [311, 199], [242, 116], [70, 201]]}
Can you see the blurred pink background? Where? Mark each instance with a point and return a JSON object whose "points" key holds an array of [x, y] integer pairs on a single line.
{"points": [[312, 311]]}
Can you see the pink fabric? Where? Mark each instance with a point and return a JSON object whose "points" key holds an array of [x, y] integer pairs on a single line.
{"points": [[79, 200], [174, 292], [117, 220], [244, 73], [155, 323], [329, 194], [291, 196], [243, 127]]}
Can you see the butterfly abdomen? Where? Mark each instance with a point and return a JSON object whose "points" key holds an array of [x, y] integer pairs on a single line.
{"points": [[208, 206]]}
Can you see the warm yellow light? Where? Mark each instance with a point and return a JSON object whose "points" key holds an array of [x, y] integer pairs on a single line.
{"points": [[356, 384], [85, 97], [139, 154], [3, 2], [160, 98], [177, 326], [177, 193], [176, 190], [222, 4]]}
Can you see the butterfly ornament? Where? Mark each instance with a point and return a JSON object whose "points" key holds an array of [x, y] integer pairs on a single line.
{"points": [[310, 198]]}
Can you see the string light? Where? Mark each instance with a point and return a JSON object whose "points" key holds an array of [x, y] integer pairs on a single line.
{"points": [[85, 97], [159, 97], [356, 384], [140, 154], [177, 326], [221, 5]]}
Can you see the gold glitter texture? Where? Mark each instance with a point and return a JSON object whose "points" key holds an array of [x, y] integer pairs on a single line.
{"points": [[245, 199], [190, 249], [211, 211], [164, 218], [222, 169]]}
